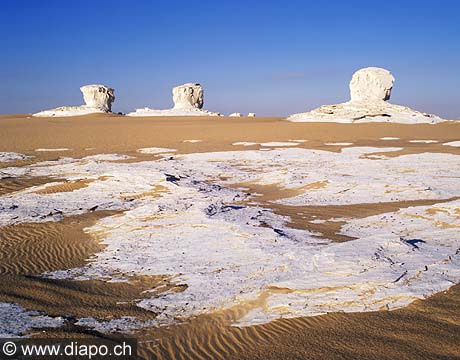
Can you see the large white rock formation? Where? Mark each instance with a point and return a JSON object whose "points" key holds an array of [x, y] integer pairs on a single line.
{"points": [[188, 101], [98, 99], [371, 84], [370, 88], [188, 96]]}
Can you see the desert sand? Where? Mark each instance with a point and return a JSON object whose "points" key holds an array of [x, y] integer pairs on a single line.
{"points": [[38, 249]]}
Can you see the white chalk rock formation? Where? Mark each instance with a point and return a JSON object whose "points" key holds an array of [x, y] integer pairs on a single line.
{"points": [[188, 96], [370, 88], [98, 99], [371, 84], [235, 114], [252, 114], [188, 101]]}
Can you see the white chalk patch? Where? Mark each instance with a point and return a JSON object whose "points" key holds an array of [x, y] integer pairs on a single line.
{"points": [[453, 143], [114, 183], [244, 143], [12, 156], [204, 234], [16, 321], [389, 138], [317, 221], [268, 144], [424, 141], [192, 141], [125, 324], [338, 143], [107, 157], [279, 143], [51, 150], [155, 150]]}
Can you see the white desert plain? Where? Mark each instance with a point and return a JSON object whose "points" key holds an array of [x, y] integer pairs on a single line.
{"points": [[328, 234]]}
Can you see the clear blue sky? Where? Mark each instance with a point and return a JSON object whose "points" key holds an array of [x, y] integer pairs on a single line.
{"points": [[270, 57]]}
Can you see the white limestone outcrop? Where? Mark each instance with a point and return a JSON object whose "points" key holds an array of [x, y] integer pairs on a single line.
{"points": [[252, 114], [188, 96], [235, 114], [188, 101], [371, 84], [172, 112], [98, 99], [370, 88]]}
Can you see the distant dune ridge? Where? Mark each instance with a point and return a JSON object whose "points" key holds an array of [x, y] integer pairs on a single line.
{"points": [[370, 88], [98, 99], [188, 101]]}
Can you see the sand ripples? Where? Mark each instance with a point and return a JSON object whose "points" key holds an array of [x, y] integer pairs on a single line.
{"points": [[67, 186], [31, 248], [401, 334], [10, 185]]}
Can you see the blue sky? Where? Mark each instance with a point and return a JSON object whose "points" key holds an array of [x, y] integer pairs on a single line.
{"points": [[269, 57]]}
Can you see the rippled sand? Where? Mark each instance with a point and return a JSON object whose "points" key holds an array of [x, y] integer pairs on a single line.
{"points": [[425, 329]]}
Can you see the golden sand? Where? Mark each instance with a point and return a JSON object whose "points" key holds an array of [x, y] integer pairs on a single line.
{"points": [[29, 249], [424, 330], [102, 133], [10, 185]]}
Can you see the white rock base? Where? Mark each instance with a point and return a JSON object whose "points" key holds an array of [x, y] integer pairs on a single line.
{"points": [[69, 111], [173, 112], [361, 112]]}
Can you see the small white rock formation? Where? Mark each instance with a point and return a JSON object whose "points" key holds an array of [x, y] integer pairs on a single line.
{"points": [[188, 101], [98, 99], [235, 114], [252, 114], [370, 88]]}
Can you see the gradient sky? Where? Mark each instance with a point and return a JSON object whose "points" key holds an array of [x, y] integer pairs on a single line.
{"points": [[268, 57]]}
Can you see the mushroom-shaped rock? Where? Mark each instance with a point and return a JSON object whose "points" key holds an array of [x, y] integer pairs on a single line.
{"points": [[188, 96], [370, 88], [98, 97], [371, 84], [188, 101]]}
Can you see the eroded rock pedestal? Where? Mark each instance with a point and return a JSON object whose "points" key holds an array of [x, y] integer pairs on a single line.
{"points": [[371, 84], [188, 101], [188, 96], [98, 99], [370, 88]]}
